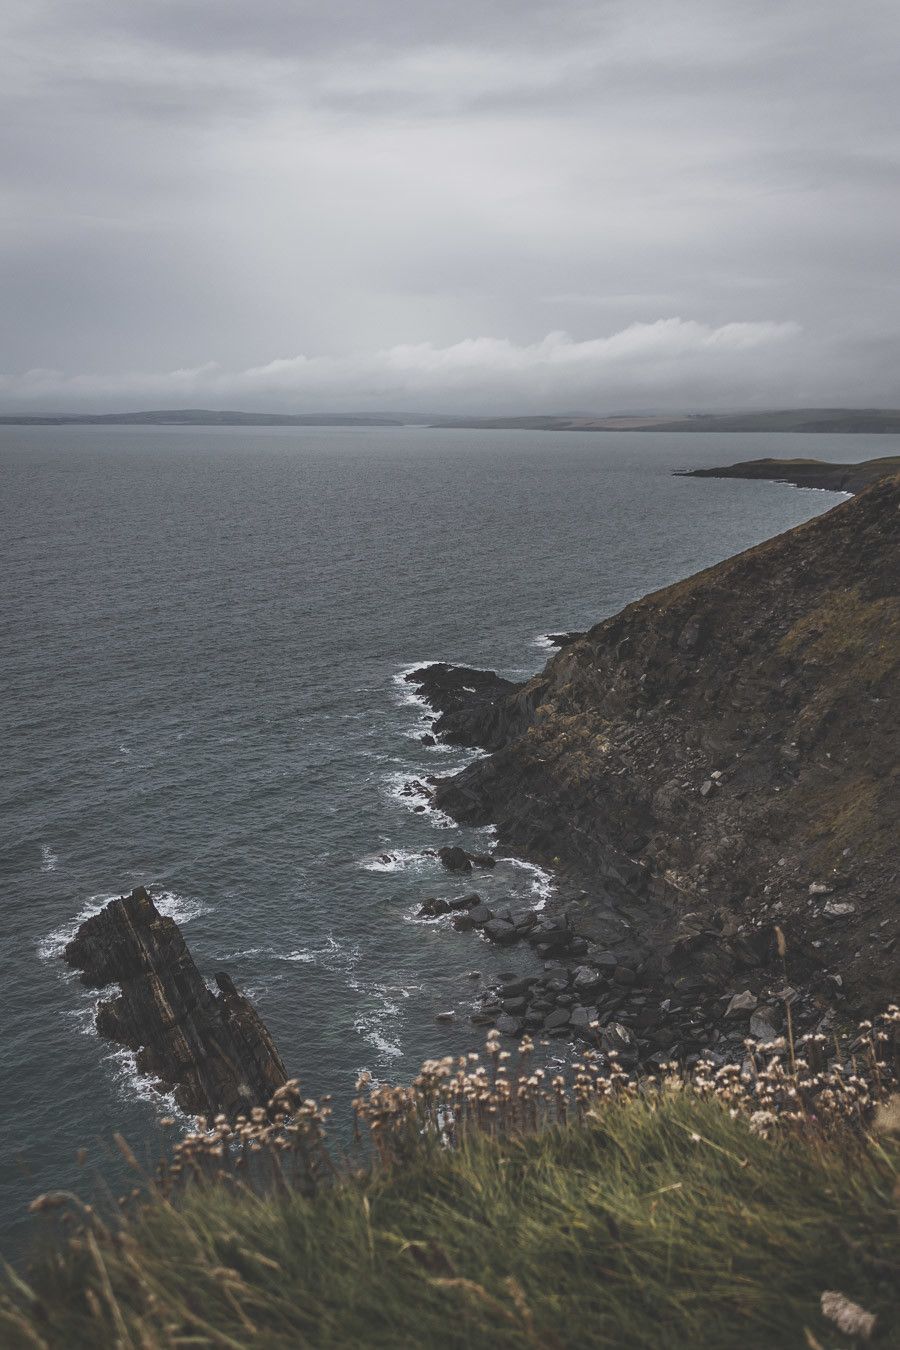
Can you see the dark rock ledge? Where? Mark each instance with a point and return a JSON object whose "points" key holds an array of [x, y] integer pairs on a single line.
{"points": [[213, 1050]]}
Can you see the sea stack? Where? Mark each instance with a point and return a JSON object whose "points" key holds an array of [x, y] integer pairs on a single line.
{"points": [[212, 1050]]}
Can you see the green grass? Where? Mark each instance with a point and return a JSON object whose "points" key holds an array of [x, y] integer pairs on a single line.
{"points": [[664, 1223]]}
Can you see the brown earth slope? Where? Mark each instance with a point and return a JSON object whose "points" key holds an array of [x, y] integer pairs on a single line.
{"points": [[726, 749]]}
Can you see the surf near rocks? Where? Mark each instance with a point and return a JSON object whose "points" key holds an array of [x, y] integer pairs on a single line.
{"points": [[212, 1050]]}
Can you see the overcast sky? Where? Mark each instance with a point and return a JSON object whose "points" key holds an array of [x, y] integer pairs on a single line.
{"points": [[485, 205]]}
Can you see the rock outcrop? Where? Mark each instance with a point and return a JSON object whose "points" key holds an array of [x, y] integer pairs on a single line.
{"points": [[212, 1050], [475, 707], [723, 752]]}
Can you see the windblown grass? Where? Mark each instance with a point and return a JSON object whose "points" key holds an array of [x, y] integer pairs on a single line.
{"points": [[669, 1214]]}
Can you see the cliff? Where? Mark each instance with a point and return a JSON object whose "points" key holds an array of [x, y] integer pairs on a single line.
{"points": [[723, 753]]}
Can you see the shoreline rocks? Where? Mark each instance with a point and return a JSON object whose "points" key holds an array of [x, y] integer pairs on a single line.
{"points": [[212, 1050]]}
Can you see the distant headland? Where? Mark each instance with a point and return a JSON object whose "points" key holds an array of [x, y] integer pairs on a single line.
{"points": [[808, 473], [810, 420]]}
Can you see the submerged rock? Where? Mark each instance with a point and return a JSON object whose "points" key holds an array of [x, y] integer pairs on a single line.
{"points": [[213, 1050]]}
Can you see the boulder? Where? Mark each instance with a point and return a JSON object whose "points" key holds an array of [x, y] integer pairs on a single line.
{"points": [[479, 915], [585, 979], [517, 988], [514, 1006], [510, 1026], [616, 1039], [499, 930], [463, 901], [433, 907], [741, 1004], [557, 1019], [455, 859]]}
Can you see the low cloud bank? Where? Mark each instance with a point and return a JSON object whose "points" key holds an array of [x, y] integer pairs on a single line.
{"points": [[672, 363]]}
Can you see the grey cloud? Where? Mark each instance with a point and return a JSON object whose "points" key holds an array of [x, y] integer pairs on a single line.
{"points": [[205, 184]]}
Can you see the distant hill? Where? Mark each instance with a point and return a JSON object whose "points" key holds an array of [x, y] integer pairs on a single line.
{"points": [[205, 417], [821, 420], [846, 420]]}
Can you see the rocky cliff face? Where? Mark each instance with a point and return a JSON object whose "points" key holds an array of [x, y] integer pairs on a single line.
{"points": [[728, 747], [212, 1049]]}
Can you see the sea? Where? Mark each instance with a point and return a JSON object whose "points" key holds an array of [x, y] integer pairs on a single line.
{"points": [[203, 640]]}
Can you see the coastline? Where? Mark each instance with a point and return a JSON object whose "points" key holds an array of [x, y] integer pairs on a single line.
{"points": [[618, 838]]}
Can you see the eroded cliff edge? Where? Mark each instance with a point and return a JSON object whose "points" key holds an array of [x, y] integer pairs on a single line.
{"points": [[727, 746]]}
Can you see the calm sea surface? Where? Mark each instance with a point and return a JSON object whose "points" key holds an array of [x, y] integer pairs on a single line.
{"points": [[201, 633]]}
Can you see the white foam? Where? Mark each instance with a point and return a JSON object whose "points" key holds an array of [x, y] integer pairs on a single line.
{"points": [[543, 641], [49, 860], [394, 860], [181, 908], [379, 1026], [407, 696], [177, 907], [395, 783], [542, 884], [131, 1084], [55, 943]]}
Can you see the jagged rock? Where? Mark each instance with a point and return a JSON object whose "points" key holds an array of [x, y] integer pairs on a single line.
{"points": [[563, 639], [433, 907], [455, 859], [585, 979], [557, 1019], [741, 1004], [456, 902], [839, 909], [214, 1051], [617, 1039], [471, 703]]}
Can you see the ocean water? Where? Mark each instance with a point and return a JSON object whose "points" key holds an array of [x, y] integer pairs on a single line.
{"points": [[202, 641]]}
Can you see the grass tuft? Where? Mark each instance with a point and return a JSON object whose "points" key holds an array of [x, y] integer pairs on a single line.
{"points": [[499, 1209]]}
